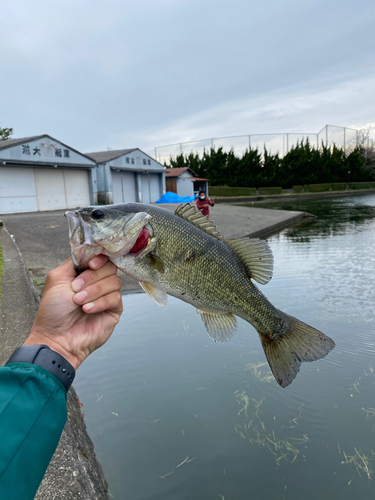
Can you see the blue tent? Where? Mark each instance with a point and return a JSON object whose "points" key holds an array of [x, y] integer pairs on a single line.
{"points": [[169, 197]]}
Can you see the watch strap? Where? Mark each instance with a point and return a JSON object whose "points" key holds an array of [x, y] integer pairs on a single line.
{"points": [[43, 356]]}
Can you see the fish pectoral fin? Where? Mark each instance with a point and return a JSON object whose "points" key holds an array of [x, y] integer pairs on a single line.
{"points": [[257, 256], [157, 263], [220, 327], [158, 296]]}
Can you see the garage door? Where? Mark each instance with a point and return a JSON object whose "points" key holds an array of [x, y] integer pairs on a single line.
{"points": [[145, 189], [123, 185], [154, 186], [77, 188], [17, 190], [28, 189], [60, 189]]}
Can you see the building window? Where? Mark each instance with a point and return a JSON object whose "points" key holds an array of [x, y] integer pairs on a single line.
{"points": [[132, 161], [148, 162], [144, 162], [127, 160]]}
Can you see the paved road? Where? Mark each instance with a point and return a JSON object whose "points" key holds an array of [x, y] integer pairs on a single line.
{"points": [[43, 239]]}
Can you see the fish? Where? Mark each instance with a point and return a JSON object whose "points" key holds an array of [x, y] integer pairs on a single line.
{"points": [[182, 254]]}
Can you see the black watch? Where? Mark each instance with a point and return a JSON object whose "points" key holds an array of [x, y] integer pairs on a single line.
{"points": [[51, 361]]}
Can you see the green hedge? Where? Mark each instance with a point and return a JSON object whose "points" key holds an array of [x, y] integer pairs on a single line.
{"points": [[270, 190], [319, 188], [297, 189], [339, 186], [362, 185], [232, 191]]}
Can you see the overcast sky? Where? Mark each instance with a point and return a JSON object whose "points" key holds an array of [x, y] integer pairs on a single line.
{"points": [[144, 73]]}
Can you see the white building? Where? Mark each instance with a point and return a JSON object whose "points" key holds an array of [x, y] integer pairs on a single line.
{"points": [[41, 173], [128, 175]]}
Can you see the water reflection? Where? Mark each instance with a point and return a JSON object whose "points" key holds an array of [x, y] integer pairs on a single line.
{"points": [[335, 216]]}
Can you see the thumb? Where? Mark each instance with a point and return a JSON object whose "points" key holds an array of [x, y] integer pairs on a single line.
{"points": [[63, 273]]}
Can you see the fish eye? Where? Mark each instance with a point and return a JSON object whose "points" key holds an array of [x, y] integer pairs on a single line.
{"points": [[97, 214]]}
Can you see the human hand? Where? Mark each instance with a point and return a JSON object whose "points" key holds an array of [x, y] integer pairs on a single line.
{"points": [[77, 314]]}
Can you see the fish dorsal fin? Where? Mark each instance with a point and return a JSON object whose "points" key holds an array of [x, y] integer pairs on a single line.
{"points": [[194, 216], [158, 296], [257, 255], [220, 327]]}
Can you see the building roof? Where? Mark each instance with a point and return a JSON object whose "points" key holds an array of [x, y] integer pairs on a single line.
{"points": [[176, 172], [14, 142], [104, 156], [9, 143]]}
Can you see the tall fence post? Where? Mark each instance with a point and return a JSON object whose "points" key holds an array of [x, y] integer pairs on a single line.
{"points": [[327, 136], [344, 141], [287, 143], [249, 143]]}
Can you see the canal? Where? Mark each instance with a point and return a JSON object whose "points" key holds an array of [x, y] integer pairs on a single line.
{"points": [[175, 416]]}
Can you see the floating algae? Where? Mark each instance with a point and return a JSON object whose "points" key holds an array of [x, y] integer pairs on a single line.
{"points": [[186, 461], [260, 371], [370, 412], [255, 431], [360, 461]]}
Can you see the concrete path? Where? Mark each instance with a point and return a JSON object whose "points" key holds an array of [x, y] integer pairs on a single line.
{"points": [[43, 239]]}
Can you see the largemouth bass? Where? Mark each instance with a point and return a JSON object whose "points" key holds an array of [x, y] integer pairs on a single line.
{"points": [[182, 254]]}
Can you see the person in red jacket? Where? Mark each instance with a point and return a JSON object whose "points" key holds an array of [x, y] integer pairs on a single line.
{"points": [[203, 202]]}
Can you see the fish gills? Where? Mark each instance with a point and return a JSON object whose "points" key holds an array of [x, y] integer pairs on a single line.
{"points": [[286, 353]]}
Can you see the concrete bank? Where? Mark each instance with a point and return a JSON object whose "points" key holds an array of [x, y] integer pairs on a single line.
{"points": [[74, 471]]}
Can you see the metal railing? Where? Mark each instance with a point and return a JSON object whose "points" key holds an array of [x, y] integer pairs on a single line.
{"points": [[282, 143]]}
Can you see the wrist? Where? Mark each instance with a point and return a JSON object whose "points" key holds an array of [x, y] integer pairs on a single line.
{"points": [[40, 338], [46, 358]]}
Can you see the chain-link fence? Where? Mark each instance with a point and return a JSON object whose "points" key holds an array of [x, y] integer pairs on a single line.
{"points": [[342, 137]]}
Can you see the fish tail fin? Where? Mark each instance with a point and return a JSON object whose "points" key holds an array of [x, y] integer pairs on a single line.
{"points": [[301, 343]]}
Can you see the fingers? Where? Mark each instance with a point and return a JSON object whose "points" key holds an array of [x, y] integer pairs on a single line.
{"points": [[91, 276], [98, 289], [111, 302], [98, 261]]}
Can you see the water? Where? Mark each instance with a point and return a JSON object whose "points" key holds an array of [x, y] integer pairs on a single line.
{"points": [[175, 416]]}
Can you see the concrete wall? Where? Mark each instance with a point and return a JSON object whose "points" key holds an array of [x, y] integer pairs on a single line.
{"points": [[185, 187]]}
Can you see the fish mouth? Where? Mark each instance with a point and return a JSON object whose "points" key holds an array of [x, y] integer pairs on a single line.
{"points": [[84, 245], [81, 241]]}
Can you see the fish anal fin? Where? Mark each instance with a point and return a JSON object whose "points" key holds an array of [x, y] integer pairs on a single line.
{"points": [[301, 343], [158, 296], [220, 327], [192, 215], [257, 256]]}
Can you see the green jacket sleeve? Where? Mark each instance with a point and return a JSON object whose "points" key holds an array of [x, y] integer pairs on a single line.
{"points": [[32, 416]]}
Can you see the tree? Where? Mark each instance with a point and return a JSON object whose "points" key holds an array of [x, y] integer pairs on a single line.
{"points": [[5, 133], [366, 148]]}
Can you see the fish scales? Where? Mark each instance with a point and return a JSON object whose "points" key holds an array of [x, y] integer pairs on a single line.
{"points": [[184, 256]]}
